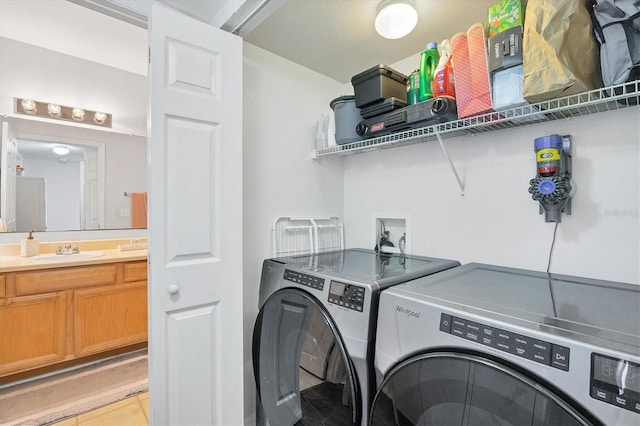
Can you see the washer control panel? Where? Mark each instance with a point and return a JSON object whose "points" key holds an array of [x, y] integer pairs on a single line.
{"points": [[537, 350], [615, 381], [304, 279], [347, 295]]}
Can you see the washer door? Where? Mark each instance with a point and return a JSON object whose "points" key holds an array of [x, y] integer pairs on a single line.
{"points": [[461, 389], [302, 371]]}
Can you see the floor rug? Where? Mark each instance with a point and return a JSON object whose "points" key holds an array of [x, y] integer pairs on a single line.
{"points": [[50, 399]]}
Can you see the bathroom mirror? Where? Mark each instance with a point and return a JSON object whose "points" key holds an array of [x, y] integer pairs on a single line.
{"points": [[72, 75], [86, 188]]}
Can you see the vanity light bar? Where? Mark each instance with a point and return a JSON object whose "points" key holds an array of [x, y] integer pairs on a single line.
{"points": [[61, 112]]}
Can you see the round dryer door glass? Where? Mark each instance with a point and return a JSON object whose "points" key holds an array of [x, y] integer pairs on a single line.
{"points": [[461, 389], [302, 372]]}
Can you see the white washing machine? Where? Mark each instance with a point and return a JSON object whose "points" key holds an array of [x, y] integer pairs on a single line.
{"points": [[313, 339], [488, 345]]}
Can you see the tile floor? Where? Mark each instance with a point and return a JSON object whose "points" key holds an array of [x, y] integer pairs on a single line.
{"points": [[132, 411]]}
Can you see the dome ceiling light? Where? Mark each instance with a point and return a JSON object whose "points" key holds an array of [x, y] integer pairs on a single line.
{"points": [[61, 149], [396, 18]]}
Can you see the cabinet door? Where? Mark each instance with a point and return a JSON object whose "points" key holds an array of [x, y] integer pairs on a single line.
{"points": [[109, 317], [32, 330]]}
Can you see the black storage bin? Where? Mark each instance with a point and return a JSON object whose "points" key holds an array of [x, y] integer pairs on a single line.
{"points": [[383, 107], [377, 84]]}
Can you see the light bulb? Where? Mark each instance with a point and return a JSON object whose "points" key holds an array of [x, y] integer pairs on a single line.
{"points": [[77, 114], [54, 110], [99, 118], [29, 106]]}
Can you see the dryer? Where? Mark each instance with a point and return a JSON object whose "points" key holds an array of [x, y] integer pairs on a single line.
{"points": [[314, 335], [490, 345]]}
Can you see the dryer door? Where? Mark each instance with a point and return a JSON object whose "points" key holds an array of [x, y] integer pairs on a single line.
{"points": [[461, 389], [301, 367]]}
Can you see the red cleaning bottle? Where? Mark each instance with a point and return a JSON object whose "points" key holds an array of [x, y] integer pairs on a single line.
{"points": [[443, 81]]}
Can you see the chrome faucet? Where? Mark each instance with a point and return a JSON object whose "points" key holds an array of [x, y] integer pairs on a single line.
{"points": [[67, 249]]}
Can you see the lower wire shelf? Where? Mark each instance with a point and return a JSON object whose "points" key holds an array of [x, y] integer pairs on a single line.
{"points": [[599, 100]]}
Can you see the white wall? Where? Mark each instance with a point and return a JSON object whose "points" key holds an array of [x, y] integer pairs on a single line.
{"points": [[68, 28], [126, 171], [28, 71], [282, 102], [497, 222]]}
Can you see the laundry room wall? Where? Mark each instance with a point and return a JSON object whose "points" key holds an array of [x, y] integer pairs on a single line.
{"points": [[496, 221], [281, 103]]}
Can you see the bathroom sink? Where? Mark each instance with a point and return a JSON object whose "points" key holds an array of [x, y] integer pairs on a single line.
{"points": [[71, 257]]}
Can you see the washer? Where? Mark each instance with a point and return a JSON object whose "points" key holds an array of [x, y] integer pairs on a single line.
{"points": [[489, 345], [313, 339]]}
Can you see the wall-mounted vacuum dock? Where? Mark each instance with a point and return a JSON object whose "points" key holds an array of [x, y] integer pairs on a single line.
{"points": [[552, 187]]}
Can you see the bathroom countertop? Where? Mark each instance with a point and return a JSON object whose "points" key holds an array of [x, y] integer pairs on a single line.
{"points": [[11, 261]]}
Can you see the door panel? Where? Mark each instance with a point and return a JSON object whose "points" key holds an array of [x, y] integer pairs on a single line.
{"points": [[462, 389], [292, 329], [8, 163], [94, 189], [195, 186]]}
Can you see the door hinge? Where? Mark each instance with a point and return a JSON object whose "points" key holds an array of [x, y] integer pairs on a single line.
{"points": [[149, 54]]}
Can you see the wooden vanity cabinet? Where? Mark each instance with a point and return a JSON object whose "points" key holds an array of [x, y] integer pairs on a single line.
{"points": [[60, 314], [32, 331], [108, 317]]}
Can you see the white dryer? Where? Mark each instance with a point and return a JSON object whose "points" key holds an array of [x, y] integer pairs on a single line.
{"points": [[313, 339], [488, 345]]}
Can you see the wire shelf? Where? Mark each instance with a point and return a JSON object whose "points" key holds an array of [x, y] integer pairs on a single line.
{"points": [[592, 102]]}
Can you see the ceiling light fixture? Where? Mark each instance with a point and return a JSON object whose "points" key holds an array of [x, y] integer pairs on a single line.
{"points": [[396, 18], [61, 149], [57, 111]]}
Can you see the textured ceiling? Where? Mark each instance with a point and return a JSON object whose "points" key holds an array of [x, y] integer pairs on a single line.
{"points": [[337, 37], [332, 37]]}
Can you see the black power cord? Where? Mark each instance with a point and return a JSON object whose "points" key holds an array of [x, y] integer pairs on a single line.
{"points": [[553, 242]]}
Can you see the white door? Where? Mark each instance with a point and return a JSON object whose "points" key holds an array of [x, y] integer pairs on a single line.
{"points": [[195, 223], [93, 190], [8, 160]]}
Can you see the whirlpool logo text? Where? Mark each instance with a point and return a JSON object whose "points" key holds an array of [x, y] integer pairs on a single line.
{"points": [[407, 312]]}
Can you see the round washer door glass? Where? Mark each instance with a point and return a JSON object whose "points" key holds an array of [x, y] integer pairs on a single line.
{"points": [[462, 389], [303, 375]]}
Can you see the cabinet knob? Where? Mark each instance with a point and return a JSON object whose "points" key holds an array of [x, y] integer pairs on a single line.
{"points": [[174, 289]]}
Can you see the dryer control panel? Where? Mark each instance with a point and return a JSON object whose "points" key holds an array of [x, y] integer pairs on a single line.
{"points": [[615, 381], [347, 295], [537, 350], [304, 279]]}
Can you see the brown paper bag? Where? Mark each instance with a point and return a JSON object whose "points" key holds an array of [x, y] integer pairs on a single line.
{"points": [[560, 54]]}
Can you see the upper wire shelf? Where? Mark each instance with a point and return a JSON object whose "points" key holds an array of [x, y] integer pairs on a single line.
{"points": [[605, 99]]}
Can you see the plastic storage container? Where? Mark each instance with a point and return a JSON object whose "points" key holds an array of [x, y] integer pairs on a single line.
{"points": [[377, 84], [383, 107], [347, 117]]}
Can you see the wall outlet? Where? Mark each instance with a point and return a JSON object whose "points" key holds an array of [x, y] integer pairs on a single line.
{"points": [[125, 212]]}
